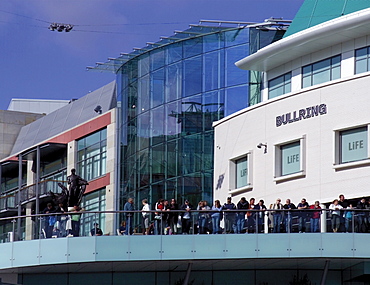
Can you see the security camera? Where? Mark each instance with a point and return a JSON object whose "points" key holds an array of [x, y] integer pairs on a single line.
{"points": [[259, 145], [98, 109]]}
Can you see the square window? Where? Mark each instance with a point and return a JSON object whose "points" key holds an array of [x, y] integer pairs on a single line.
{"points": [[241, 173], [290, 158], [353, 145]]}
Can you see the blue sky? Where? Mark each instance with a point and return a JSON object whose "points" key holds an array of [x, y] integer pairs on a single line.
{"points": [[37, 63]]}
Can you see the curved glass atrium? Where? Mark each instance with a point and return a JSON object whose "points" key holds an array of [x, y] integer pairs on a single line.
{"points": [[171, 92]]}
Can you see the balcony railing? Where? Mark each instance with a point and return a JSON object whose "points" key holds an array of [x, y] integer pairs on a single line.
{"points": [[75, 224], [27, 193]]}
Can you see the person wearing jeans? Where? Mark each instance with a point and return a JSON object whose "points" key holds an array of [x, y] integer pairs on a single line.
{"points": [[315, 217], [216, 217]]}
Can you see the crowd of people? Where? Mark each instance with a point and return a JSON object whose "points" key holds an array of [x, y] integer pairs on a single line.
{"points": [[169, 217], [247, 216]]}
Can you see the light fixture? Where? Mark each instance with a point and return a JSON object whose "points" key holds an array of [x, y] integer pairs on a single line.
{"points": [[98, 109], [261, 145]]}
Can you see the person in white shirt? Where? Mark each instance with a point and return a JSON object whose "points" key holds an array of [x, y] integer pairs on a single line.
{"points": [[146, 216], [335, 208]]}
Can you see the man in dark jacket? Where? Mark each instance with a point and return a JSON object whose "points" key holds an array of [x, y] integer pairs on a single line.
{"points": [[288, 215], [229, 217], [240, 216]]}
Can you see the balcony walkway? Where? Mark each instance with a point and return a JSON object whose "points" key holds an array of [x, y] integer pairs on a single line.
{"points": [[111, 253]]}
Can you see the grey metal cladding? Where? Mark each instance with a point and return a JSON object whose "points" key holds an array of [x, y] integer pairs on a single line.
{"points": [[65, 118]]}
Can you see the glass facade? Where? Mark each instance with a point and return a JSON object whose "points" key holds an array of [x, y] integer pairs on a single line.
{"points": [[92, 155], [170, 96], [353, 145], [321, 71]]}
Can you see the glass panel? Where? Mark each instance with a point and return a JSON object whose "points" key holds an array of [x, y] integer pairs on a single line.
{"points": [[193, 47], [192, 153], [173, 83], [143, 65], [92, 139], [192, 76], [236, 37], [306, 81], [143, 130], [213, 109], [174, 122], [143, 96], [158, 123], [236, 99], [156, 59], [361, 66], [157, 87], [321, 77], [235, 75], [211, 71], [93, 150], [353, 145], [211, 42], [321, 66], [279, 86], [172, 159], [241, 172], [80, 144], [290, 158], [174, 52], [335, 73], [361, 53], [144, 170], [192, 115], [158, 162]]}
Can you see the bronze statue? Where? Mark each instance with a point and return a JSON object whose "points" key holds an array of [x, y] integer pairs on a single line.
{"points": [[72, 196], [77, 187]]}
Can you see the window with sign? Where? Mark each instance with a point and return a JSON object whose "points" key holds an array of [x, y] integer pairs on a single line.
{"points": [[241, 172], [353, 145], [290, 158]]}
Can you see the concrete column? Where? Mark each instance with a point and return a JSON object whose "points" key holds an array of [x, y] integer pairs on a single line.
{"points": [[112, 168], [71, 156], [323, 219], [29, 223]]}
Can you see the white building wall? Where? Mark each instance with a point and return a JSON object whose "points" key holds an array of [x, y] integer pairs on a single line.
{"points": [[347, 104]]}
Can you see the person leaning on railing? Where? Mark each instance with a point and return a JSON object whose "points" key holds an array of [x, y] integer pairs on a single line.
{"points": [[315, 217], [335, 208], [186, 217]]}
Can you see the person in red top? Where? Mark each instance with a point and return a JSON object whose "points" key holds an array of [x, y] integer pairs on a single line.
{"points": [[315, 217]]}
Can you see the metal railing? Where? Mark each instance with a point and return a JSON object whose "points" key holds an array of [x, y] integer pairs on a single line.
{"points": [[82, 223], [27, 193]]}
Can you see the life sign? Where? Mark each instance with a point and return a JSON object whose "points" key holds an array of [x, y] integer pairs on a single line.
{"points": [[293, 158], [355, 145]]}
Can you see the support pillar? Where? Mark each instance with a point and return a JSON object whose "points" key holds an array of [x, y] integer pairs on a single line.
{"points": [[323, 219]]}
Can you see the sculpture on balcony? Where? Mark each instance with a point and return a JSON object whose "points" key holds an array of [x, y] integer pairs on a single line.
{"points": [[77, 187], [72, 196]]}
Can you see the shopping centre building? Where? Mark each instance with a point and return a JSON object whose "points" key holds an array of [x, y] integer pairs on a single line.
{"points": [[222, 109]]}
